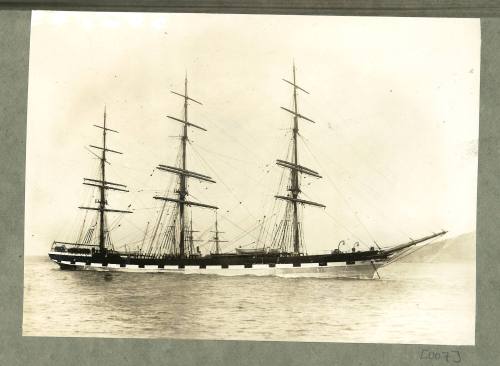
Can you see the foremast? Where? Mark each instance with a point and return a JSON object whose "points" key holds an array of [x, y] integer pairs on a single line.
{"points": [[183, 172], [103, 185], [294, 189]]}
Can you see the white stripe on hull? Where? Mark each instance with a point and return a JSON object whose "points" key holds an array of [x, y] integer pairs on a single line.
{"points": [[68, 254], [360, 269]]}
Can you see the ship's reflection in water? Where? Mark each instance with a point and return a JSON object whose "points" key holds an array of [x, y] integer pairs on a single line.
{"points": [[413, 303]]}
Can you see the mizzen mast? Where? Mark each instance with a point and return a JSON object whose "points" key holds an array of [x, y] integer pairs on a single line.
{"points": [[103, 185], [182, 171], [294, 189]]}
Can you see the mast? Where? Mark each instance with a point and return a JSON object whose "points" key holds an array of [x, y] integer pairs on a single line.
{"points": [[295, 168], [182, 171], [216, 238], [295, 189], [102, 201], [190, 237], [182, 188], [103, 185]]}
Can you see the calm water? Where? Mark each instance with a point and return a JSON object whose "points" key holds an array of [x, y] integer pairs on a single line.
{"points": [[413, 303]]}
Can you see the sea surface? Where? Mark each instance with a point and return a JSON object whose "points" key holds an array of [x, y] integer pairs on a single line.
{"points": [[431, 303]]}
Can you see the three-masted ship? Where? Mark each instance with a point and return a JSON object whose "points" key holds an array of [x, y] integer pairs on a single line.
{"points": [[170, 246]]}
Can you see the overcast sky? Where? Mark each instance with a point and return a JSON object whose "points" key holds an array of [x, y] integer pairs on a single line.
{"points": [[396, 101]]}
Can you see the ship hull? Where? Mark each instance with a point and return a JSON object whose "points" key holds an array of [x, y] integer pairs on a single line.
{"points": [[361, 265]]}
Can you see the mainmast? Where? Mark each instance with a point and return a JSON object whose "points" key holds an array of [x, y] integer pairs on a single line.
{"points": [[102, 201], [295, 189], [182, 171], [295, 168], [182, 189], [103, 185]]}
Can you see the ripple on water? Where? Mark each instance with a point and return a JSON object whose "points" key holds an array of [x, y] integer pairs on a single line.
{"points": [[398, 308]]}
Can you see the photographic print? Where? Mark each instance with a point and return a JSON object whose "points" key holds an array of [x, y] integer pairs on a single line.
{"points": [[252, 177]]}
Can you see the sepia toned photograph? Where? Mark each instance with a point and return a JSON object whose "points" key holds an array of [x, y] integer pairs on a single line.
{"points": [[252, 177]]}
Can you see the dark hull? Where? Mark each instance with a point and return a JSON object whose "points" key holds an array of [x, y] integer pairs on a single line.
{"points": [[218, 260], [357, 265]]}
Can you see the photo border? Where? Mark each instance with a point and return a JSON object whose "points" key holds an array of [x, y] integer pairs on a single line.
{"points": [[18, 350]]}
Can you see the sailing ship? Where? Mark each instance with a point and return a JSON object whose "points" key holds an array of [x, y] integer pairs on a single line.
{"points": [[170, 246]]}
